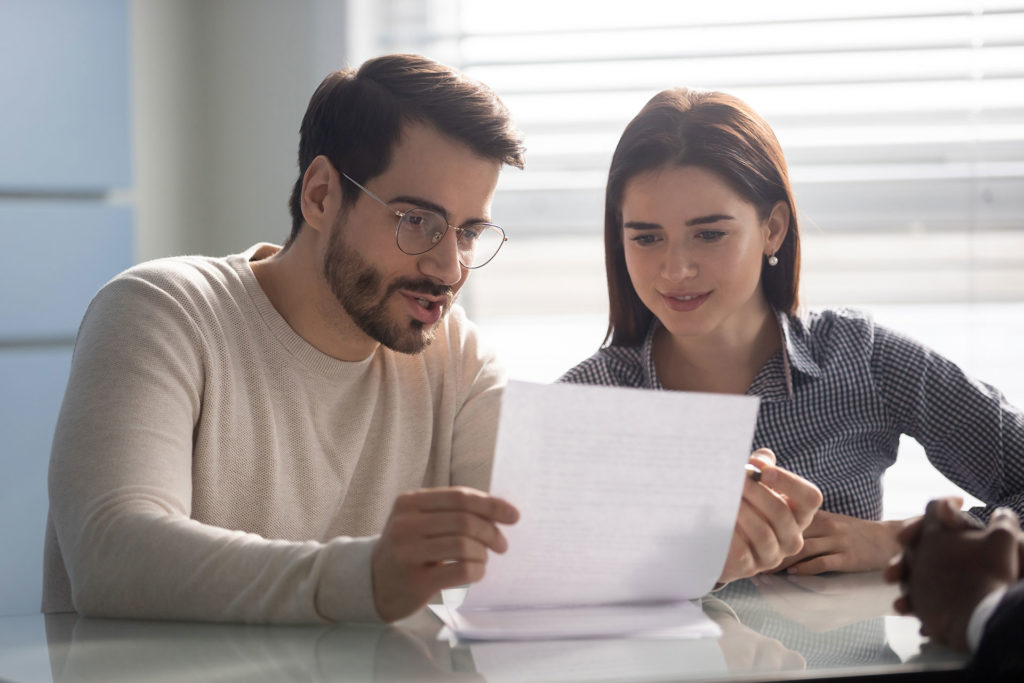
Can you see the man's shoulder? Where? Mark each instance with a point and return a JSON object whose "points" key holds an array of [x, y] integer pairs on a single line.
{"points": [[180, 273], [186, 282], [183, 293]]}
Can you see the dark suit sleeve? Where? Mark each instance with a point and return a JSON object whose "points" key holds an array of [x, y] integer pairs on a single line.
{"points": [[1002, 644]]}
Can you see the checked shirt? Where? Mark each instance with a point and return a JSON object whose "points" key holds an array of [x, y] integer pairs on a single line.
{"points": [[837, 397]]}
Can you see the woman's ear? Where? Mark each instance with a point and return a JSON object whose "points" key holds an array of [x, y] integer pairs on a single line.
{"points": [[776, 227], [320, 197]]}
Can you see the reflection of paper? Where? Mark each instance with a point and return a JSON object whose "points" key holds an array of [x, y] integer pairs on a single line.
{"points": [[669, 620], [598, 659], [626, 496]]}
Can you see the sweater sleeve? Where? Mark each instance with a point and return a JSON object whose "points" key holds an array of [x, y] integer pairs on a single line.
{"points": [[968, 429], [120, 487], [475, 432]]}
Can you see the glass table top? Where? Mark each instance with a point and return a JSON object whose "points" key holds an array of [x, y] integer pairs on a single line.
{"points": [[773, 628]]}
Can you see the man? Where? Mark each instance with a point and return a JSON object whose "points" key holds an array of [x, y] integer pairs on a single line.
{"points": [[965, 584], [236, 432]]}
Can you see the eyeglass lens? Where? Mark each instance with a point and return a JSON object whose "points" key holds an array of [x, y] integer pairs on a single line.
{"points": [[420, 230]]}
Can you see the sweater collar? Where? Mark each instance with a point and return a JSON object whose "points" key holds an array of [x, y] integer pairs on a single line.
{"points": [[304, 352]]}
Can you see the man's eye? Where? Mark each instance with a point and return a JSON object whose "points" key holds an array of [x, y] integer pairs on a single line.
{"points": [[470, 234], [414, 219]]}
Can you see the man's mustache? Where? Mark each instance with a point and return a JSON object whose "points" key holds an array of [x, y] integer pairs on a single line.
{"points": [[421, 287]]}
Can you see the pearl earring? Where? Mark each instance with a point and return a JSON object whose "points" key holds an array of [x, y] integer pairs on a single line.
{"points": [[773, 260]]}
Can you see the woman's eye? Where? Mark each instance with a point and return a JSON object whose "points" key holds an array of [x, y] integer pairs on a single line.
{"points": [[644, 240], [710, 235]]}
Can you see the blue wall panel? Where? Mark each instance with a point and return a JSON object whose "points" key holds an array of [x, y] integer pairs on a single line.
{"points": [[30, 394], [65, 143], [65, 123], [59, 254]]}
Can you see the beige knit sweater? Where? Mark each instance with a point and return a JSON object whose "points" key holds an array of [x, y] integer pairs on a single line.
{"points": [[210, 464]]}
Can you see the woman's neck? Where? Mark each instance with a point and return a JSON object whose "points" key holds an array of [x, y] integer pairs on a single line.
{"points": [[724, 362]]}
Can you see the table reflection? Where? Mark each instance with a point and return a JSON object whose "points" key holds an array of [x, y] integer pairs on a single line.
{"points": [[818, 623], [770, 625], [120, 650]]}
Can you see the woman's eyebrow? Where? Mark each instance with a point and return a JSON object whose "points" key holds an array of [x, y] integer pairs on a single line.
{"points": [[700, 220], [710, 218], [641, 225]]}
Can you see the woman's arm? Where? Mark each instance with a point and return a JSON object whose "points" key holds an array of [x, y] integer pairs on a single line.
{"points": [[969, 430]]}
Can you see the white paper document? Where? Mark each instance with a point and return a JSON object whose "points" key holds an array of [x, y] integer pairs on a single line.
{"points": [[628, 499]]}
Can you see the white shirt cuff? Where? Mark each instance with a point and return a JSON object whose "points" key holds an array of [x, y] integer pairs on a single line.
{"points": [[980, 617]]}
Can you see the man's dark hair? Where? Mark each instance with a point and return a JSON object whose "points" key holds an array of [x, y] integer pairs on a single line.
{"points": [[355, 118]]}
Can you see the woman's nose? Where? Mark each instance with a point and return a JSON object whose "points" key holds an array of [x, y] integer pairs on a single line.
{"points": [[679, 264]]}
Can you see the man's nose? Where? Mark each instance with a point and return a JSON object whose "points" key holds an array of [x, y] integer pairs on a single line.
{"points": [[441, 263]]}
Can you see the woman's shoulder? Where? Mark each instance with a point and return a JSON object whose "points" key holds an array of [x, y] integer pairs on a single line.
{"points": [[830, 328], [844, 335], [620, 366], [849, 325]]}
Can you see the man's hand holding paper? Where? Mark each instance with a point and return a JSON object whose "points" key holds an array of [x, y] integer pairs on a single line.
{"points": [[435, 539]]}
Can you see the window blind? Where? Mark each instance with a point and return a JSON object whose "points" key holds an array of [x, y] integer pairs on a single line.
{"points": [[902, 121]]}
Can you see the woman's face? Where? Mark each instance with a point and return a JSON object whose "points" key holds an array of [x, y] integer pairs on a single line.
{"points": [[694, 249]]}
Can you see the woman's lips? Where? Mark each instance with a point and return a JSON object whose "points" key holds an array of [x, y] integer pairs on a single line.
{"points": [[685, 301]]}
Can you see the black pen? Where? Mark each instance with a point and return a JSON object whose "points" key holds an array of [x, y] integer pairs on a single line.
{"points": [[753, 471]]}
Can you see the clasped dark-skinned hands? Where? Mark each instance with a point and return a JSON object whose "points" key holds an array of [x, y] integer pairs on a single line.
{"points": [[950, 562], [435, 539]]}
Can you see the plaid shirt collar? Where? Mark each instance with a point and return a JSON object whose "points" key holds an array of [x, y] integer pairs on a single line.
{"points": [[796, 340], [774, 382]]}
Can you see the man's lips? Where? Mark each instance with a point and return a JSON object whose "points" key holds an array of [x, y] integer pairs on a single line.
{"points": [[426, 308], [684, 301]]}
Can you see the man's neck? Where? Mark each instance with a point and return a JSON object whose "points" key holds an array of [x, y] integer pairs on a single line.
{"points": [[292, 281]]}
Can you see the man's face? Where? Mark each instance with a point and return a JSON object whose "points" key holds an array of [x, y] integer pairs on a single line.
{"points": [[395, 298]]}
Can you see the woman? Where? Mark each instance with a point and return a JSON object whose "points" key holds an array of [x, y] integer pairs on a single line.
{"points": [[702, 252]]}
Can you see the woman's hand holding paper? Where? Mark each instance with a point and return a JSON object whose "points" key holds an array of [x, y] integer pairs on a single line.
{"points": [[773, 515]]}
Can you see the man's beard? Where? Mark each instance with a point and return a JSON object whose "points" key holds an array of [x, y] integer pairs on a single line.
{"points": [[357, 287]]}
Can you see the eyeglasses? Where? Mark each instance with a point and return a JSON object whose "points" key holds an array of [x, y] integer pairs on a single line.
{"points": [[420, 230]]}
